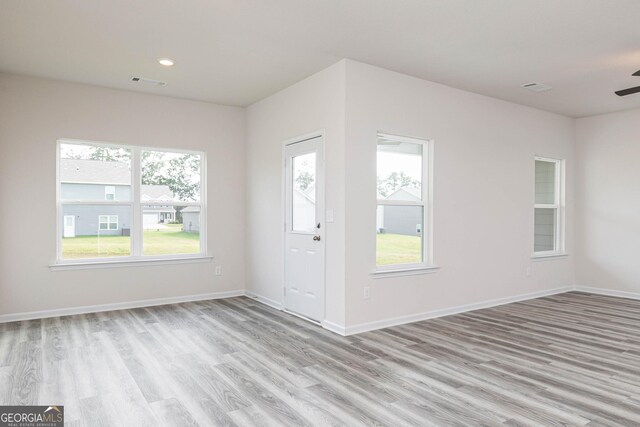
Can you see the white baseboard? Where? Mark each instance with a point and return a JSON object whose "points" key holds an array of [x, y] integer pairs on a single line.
{"points": [[334, 327], [116, 306], [264, 300], [607, 292], [395, 321]]}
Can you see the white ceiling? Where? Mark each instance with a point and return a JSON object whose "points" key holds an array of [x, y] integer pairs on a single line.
{"points": [[238, 51]]}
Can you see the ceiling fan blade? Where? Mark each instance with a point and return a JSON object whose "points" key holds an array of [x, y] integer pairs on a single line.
{"points": [[637, 73], [629, 91]]}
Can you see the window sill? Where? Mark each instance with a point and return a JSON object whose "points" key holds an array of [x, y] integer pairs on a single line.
{"points": [[550, 256], [87, 265], [382, 274]]}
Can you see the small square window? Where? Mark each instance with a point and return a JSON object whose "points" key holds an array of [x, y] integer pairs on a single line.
{"points": [[109, 192]]}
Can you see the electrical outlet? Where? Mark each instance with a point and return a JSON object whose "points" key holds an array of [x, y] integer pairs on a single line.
{"points": [[367, 292], [218, 271], [527, 271]]}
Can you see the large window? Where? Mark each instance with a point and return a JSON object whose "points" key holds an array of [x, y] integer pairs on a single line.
{"points": [[125, 202], [548, 208], [403, 227]]}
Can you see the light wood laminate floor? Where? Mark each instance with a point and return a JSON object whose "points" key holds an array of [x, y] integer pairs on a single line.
{"points": [[570, 359]]}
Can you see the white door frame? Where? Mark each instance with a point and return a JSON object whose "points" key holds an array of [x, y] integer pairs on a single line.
{"points": [[320, 200]]}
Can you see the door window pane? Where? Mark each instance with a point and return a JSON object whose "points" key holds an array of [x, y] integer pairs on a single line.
{"points": [[303, 197], [95, 231], [545, 182], [162, 236], [90, 172], [545, 229], [400, 234]]}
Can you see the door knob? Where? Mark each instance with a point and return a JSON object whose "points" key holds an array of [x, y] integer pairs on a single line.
{"points": [[316, 238]]}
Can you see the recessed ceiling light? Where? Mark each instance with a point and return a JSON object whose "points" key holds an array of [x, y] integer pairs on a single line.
{"points": [[166, 62]]}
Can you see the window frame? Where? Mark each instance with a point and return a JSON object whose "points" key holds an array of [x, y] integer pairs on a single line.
{"points": [[426, 202], [558, 205], [136, 205]]}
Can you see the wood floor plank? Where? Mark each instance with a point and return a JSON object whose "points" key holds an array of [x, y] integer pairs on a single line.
{"points": [[565, 360]]}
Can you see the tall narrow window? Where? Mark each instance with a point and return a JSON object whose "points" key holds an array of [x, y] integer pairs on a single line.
{"points": [[129, 202], [170, 185], [548, 209], [403, 234], [87, 175]]}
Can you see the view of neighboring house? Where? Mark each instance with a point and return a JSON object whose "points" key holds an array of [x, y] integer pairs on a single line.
{"points": [[153, 215], [96, 180], [191, 219], [405, 220]]}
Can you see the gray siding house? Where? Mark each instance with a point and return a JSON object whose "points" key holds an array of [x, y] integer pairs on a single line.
{"points": [[93, 180], [191, 219], [405, 220]]}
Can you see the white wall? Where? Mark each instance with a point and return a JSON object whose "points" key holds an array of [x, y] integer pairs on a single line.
{"points": [[484, 193], [313, 104], [484, 184], [608, 202], [34, 114]]}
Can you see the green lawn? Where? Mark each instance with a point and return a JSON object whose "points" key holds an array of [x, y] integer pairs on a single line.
{"points": [[398, 249], [165, 241]]}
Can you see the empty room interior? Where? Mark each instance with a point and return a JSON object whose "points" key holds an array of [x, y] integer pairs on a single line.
{"points": [[319, 213]]}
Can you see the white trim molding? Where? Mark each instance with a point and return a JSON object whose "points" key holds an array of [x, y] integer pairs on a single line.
{"points": [[264, 300], [395, 321], [117, 306], [129, 262], [607, 292], [330, 326], [383, 274], [334, 327], [550, 257]]}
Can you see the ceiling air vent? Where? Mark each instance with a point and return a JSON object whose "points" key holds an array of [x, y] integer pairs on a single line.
{"points": [[148, 81], [536, 87]]}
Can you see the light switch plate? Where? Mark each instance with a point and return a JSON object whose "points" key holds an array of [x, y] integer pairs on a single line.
{"points": [[329, 215]]}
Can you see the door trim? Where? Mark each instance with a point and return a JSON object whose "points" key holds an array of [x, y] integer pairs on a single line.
{"points": [[283, 218]]}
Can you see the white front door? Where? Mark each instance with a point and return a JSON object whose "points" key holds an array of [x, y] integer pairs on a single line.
{"points": [[69, 226], [304, 228]]}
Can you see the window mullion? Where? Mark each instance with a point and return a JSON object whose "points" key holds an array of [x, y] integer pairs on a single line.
{"points": [[136, 220]]}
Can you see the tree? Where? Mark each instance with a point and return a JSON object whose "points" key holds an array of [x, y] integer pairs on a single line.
{"points": [[304, 180], [106, 154], [395, 181], [181, 172]]}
